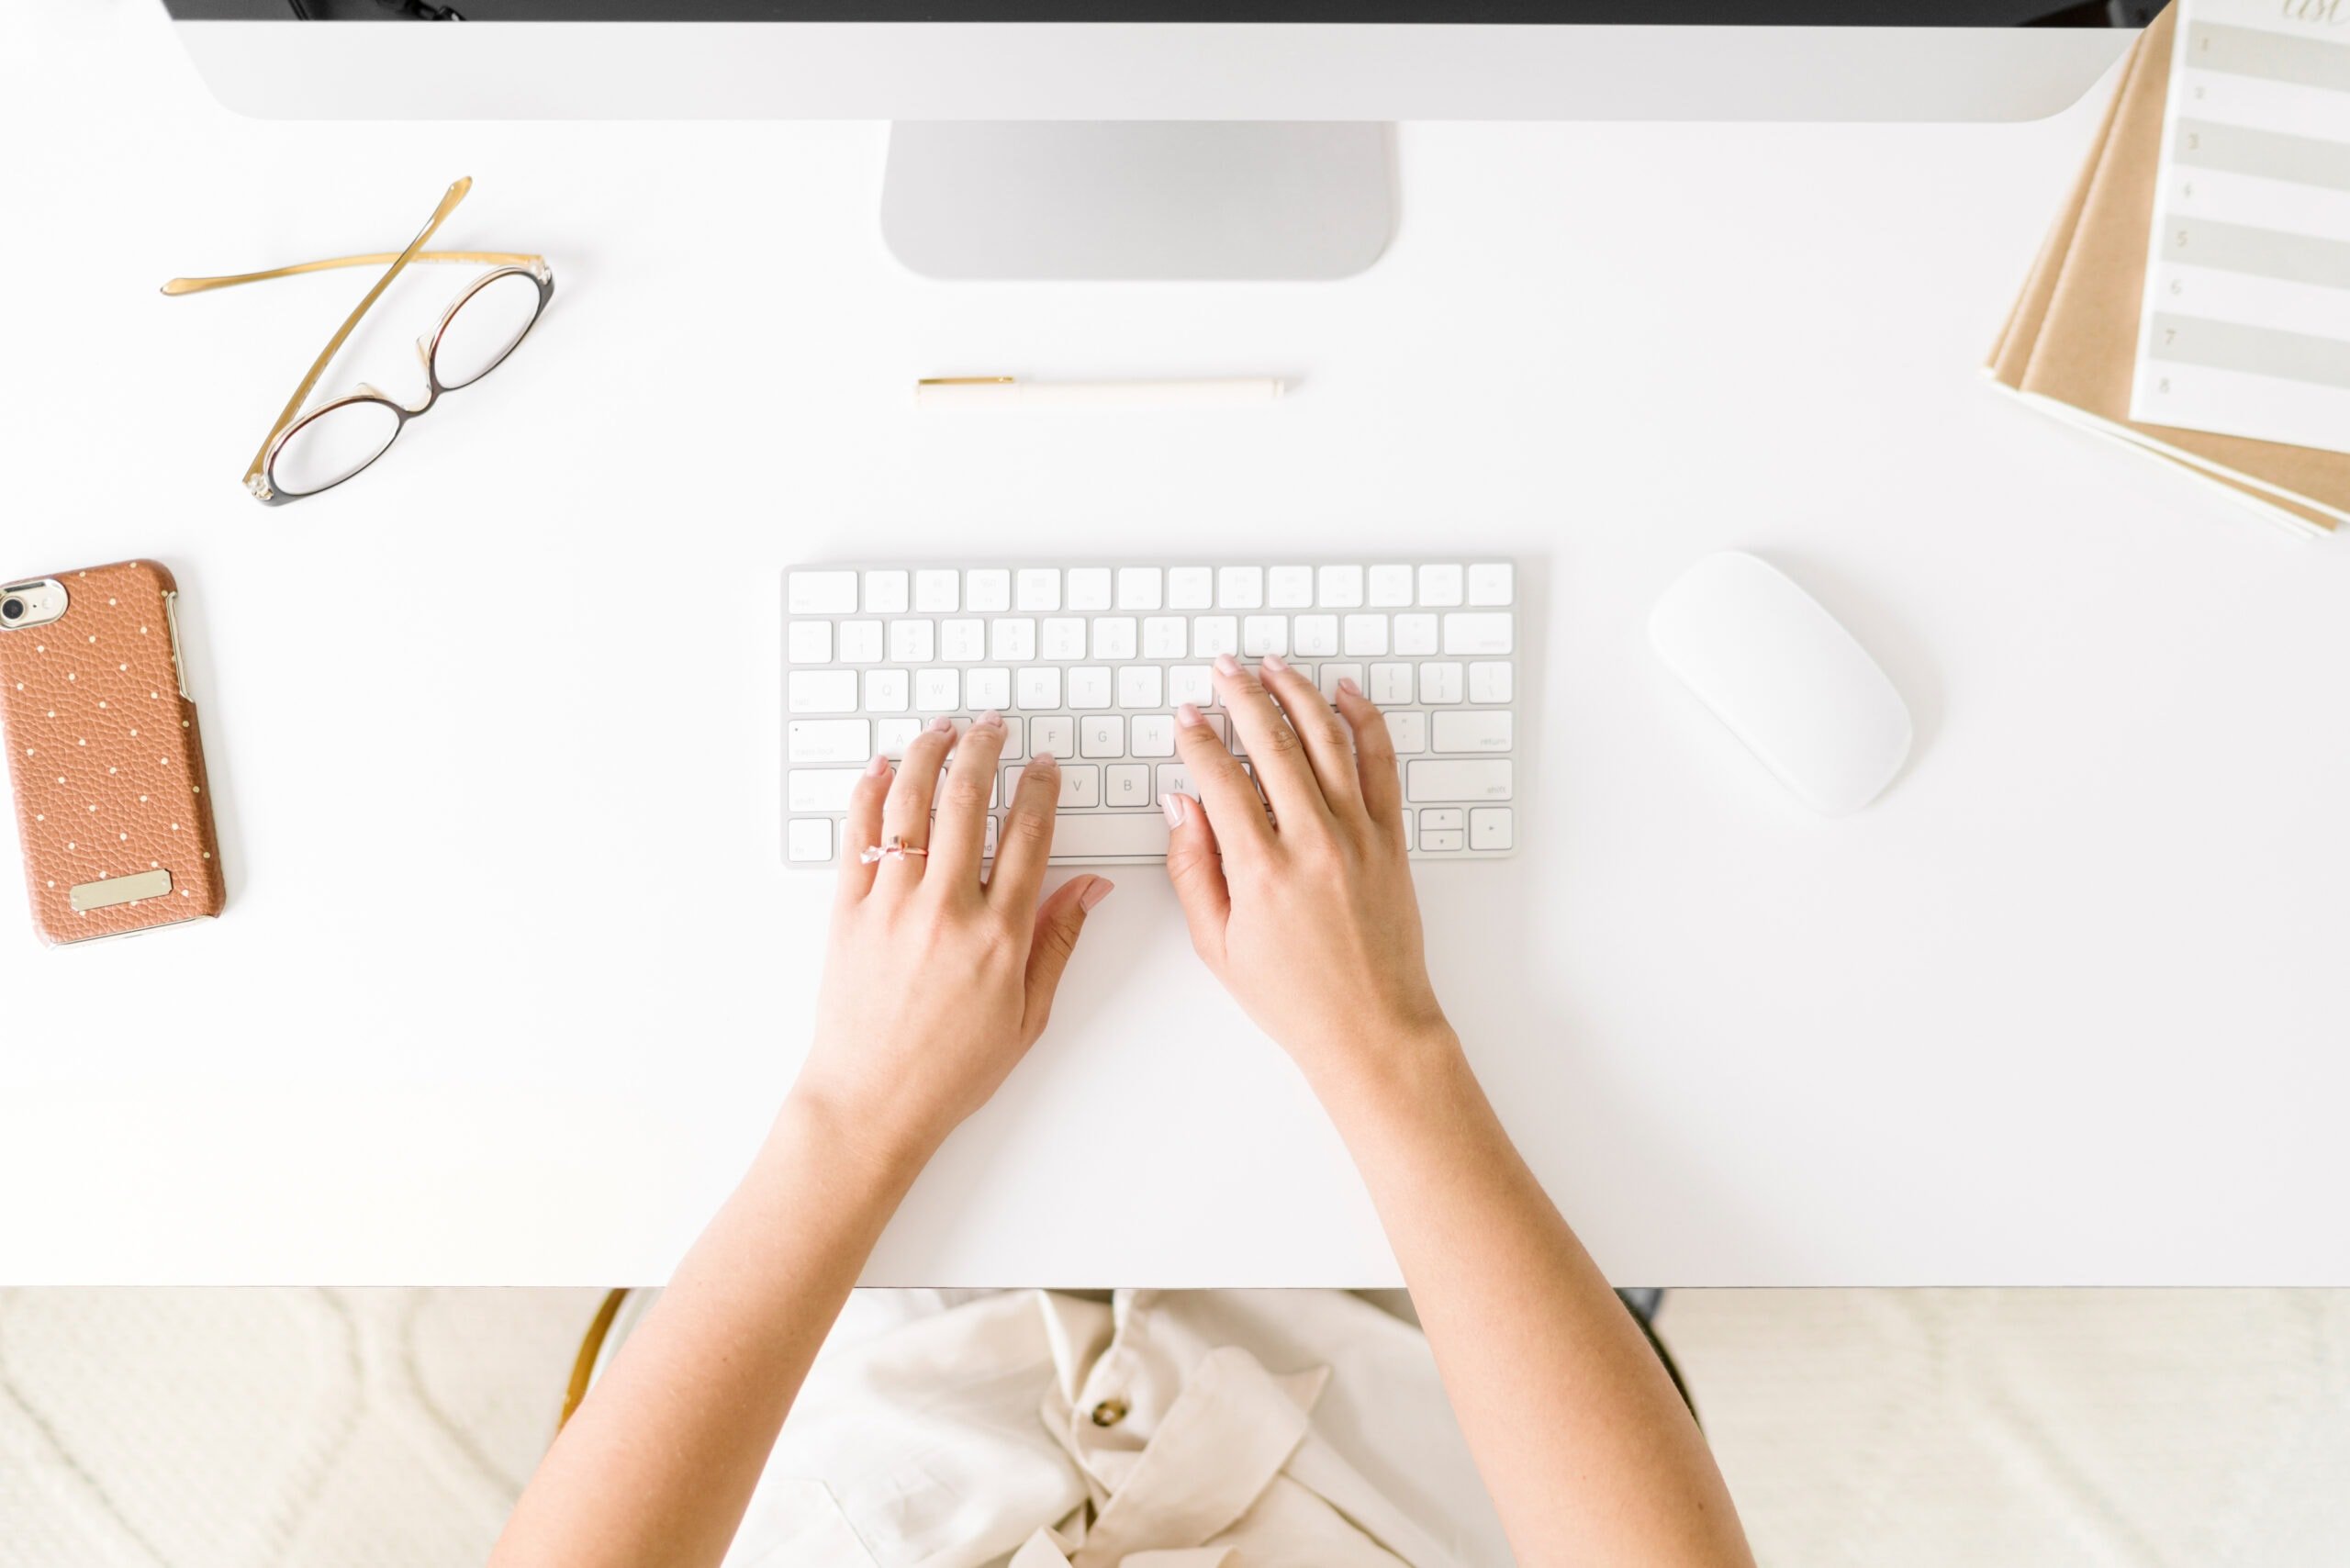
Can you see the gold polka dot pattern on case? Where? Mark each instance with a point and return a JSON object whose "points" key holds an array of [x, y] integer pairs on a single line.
{"points": [[97, 816]]}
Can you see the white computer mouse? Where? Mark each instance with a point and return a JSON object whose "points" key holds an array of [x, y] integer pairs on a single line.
{"points": [[1786, 677]]}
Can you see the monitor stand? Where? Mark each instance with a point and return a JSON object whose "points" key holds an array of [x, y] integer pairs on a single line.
{"points": [[1138, 199]]}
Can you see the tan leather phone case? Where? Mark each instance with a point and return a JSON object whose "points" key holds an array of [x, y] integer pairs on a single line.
{"points": [[112, 806]]}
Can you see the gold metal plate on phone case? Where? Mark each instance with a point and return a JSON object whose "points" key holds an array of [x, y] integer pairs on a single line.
{"points": [[109, 891]]}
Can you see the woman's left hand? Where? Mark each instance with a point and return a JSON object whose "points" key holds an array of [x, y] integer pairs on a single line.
{"points": [[936, 984]]}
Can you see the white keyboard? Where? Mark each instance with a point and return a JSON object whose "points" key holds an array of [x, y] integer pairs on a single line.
{"points": [[1089, 662]]}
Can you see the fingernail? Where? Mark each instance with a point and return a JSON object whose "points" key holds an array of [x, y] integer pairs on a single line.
{"points": [[1173, 806], [1187, 714], [1347, 684], [1226, 665], [942, 725], [1099, 890], [1273, 662], [988, 718], [876, 767], [1044, 759]]}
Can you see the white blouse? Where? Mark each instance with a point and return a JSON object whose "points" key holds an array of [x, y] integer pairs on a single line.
{"points": [[1154, 1429]]}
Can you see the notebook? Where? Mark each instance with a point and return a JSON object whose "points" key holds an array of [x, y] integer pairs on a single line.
{"points": [[2069, 346]]}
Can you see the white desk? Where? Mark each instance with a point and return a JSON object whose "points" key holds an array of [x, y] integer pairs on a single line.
{"points": [[2069, 1005]]}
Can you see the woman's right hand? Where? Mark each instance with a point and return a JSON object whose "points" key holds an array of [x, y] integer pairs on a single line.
{"points": [[1309, 919]]}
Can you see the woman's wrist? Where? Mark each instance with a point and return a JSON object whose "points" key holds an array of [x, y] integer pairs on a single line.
{"points": [[1398, 1064], [885, 1148]]}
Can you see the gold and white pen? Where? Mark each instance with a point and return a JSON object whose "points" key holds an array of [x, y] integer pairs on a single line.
{"points": [[1005, 392]]}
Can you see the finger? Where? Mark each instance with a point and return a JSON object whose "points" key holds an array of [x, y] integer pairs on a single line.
{"points": [[862, 827], [905, 813], [1274, 750], [1025, 845], [1230, 801], [1059, 923], [1383, 789], [1197, 870], [1329, 749], [959, 836]]}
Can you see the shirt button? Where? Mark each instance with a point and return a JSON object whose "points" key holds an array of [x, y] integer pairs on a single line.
{"points": [[1109, 1413]]}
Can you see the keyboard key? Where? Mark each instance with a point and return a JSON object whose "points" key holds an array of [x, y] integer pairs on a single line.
{"points": [[1174, 778], [1314, 636], [1441, 841], [1037, 588], [1391, 685], [829, 740], [987, 591], [1409, 731], [1014, 739], [1089, 587], [1491, 827], [1489, 683], [1471, 731], [1289, 588], [938, 592], [1154, 735], [1391, 586], [860, 642], [1214, 634], [1081, 785], [1127, 784], [1491, 582], [913, 642], [1063, 639], [937, 691], [891, 736], [1101, 734], [1331, 674], [1415, 635], [884, 593], [810, 643], [822, 788], [1164, 637], [1262, 634], [1140, 587], [1194, 684], [887, 690], [1139, 687], [1012, 640], [1458, 780], [822, 593], [1449, 818], [962, 642], [1241, 588], [1439, 586], [823, 691], [1056, 735], [1088, 686], [1441, 683], [986, 688], [809, 838], [1341, 587], [1477, 631], [1114, 638], [1365, 636], [1040, 686], [1124, 835], [1191, 588]]}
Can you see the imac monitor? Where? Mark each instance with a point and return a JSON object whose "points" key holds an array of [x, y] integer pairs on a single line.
{"points": [[1142, 138]]}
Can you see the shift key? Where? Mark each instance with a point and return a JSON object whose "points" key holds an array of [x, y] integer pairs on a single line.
{"points": [[1440, 779]]}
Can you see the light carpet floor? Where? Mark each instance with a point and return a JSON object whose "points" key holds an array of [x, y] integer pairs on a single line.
{"points": [[1886, 1429]]}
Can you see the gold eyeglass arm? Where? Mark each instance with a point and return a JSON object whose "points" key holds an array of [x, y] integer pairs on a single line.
{"points": [[373, 259]]}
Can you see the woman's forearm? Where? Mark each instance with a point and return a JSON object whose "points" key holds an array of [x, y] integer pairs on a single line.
{"points": [[659, 1464], [1582, 1440]]}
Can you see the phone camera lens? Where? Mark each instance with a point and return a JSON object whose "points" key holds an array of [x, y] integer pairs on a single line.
{"points": [[13, 610]]}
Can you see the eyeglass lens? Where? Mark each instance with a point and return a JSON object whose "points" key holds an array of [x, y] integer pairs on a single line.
{"points": [[331, 446], [485, 329]]}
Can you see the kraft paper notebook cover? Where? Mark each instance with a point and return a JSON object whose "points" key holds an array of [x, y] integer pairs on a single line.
{"points": [[2070, 344]]}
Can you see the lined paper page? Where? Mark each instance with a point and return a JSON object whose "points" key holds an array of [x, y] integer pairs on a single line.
{"points": [[2246, 325]]}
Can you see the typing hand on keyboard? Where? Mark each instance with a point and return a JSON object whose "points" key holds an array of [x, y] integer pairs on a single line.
{"points": [[1308, 917]]}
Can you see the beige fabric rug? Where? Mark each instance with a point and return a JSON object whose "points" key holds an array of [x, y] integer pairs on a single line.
{"points": [[1887, 1428]]}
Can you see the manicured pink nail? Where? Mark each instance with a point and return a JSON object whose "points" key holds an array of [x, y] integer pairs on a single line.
{"points": [[1173, 806], [1347, 684], [1187, 715], [1046, 759], [988, 718], [942, 725], [876, 767], [1273, 662], [1226, 665], [1101, 889]]}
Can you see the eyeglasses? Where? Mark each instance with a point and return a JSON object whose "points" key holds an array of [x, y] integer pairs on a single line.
{"points": [[306, 453]]}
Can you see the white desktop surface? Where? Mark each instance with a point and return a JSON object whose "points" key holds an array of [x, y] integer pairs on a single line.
{"points": [[512, 974]]}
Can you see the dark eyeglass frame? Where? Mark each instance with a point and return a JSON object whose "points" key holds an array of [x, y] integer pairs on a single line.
{"points": [[260, 476]]}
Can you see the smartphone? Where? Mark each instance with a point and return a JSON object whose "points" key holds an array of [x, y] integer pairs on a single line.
{"points": [[112, 805]]}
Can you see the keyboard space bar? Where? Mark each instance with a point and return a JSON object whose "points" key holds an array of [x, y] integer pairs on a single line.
{"points": [[1137, 835]]}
